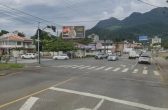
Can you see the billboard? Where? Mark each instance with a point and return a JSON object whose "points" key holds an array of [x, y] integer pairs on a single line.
{"points": [[72, 32], [143, 38]]}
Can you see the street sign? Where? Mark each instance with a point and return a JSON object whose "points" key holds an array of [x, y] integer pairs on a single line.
{"points": [[143, 38]]}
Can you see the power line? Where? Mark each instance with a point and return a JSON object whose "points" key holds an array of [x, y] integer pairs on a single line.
{"points": [[20, 11], [148, 3], [16, 15]]}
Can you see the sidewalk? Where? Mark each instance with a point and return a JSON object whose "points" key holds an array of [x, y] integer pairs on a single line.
{"points": [[161, 62], [162, 65]]}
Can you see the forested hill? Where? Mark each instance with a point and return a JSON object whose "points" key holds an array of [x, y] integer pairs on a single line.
{"points": [[154, 22]]}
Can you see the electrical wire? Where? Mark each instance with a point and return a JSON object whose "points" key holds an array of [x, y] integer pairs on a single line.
{"points": [[148, 3], [25, 13]]}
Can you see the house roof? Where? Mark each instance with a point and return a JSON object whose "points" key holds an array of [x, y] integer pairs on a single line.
{"points": [[15, 37]]}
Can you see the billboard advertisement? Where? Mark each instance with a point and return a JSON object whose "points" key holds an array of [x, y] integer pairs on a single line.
{"points": [[72, 32], [143, 38]]}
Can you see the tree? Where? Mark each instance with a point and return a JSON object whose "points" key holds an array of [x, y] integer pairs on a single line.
{"points": [[3, 32], [21, 34], [85, 41], [58, 44]]}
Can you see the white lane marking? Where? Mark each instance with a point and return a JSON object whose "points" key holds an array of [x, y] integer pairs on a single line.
{"points": [[135, 71], [108, 68], [133, 66], [77, 66], [98, 105], [145, 68], [125, 70], [60, 66], [156, 73], [83, 109], [133, 104], [100, 68], [92, 67], [123, 66], [145, 72], [67, 66], [29, 103], [117, 69], [84, 67]]}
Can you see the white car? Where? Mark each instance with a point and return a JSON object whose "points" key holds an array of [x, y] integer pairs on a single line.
{"points": [[112, 57], [132, 55], [29, 56], [144, 58], [61, 57]]}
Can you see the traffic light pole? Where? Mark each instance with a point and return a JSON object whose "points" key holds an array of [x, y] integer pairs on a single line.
{"points": [[38, 35]]}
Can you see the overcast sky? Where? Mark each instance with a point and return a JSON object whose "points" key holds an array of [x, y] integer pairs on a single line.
{"points": [[68, 12]]}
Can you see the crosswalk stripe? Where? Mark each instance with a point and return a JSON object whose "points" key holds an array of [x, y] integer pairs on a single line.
{"points": [[135, 71], [156, 73], [84, 67], [76, 66], [117, 69], [108, 68], [92, 67], [100, 68], [125, 70], [61, 66], [145, 72]]}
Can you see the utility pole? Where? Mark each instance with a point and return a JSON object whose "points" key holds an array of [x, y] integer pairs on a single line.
{"points": [[38, 35]]}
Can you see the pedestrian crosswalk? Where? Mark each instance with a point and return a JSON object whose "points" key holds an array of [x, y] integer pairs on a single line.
{"points": [[124, 69]]}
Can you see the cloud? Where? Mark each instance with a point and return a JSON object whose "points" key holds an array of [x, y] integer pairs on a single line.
{"points": [[65, 12]]}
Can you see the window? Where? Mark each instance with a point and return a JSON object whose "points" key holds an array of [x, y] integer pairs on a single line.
{"points": [[18, 43]]}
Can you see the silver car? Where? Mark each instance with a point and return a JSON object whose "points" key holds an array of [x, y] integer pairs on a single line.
{"points": [[144, 58], [112, 57]]}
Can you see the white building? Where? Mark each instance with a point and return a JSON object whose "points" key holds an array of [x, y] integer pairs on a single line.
{"points": [[11, 41], [156, 40], [94, 37]]}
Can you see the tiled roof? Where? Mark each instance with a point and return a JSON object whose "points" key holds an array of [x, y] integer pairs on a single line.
{"points": [[16, 38]]}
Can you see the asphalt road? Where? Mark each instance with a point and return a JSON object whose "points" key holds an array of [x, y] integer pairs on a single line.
{"points": [[85, 84]]}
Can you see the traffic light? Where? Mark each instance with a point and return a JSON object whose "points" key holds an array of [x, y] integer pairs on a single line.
{"points": [[52, 27]]}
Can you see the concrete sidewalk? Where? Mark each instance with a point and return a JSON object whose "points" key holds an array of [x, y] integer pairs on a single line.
{"points": [[162, 65]]}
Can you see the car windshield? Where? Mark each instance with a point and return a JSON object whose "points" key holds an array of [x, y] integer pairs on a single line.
{"points": [[83, 54]]}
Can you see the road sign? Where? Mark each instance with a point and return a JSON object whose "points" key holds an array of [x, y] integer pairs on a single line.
{"points": [[143, 38]]}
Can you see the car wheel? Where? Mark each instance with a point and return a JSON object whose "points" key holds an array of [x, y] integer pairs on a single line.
{"points": [[55, 59]]}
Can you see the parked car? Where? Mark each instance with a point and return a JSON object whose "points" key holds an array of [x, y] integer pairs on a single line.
{"points": [[144, 58], [61, 57], [29, 56], [101, 56], [112, 57]]}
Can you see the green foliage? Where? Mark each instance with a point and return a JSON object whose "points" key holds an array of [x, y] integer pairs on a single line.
{"points": [[165, 44], [3, 32], [151, 24], [85, 41], [58, 44], [5, 66], [21, 34]]}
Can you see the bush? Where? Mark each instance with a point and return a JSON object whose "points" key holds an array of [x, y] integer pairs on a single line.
{"points": [[166, 58]]}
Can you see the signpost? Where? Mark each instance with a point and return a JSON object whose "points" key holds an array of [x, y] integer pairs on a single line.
{"points": [[143, 38]]}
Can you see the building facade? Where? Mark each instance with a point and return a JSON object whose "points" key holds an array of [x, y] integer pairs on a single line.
{"points": [[11, 41]]}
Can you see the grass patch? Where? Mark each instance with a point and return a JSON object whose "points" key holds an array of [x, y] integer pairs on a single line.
{"points": [[4, 66], [166, 58]]}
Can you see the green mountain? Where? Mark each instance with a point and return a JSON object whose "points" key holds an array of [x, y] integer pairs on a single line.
{"points": [[152, 23]]}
